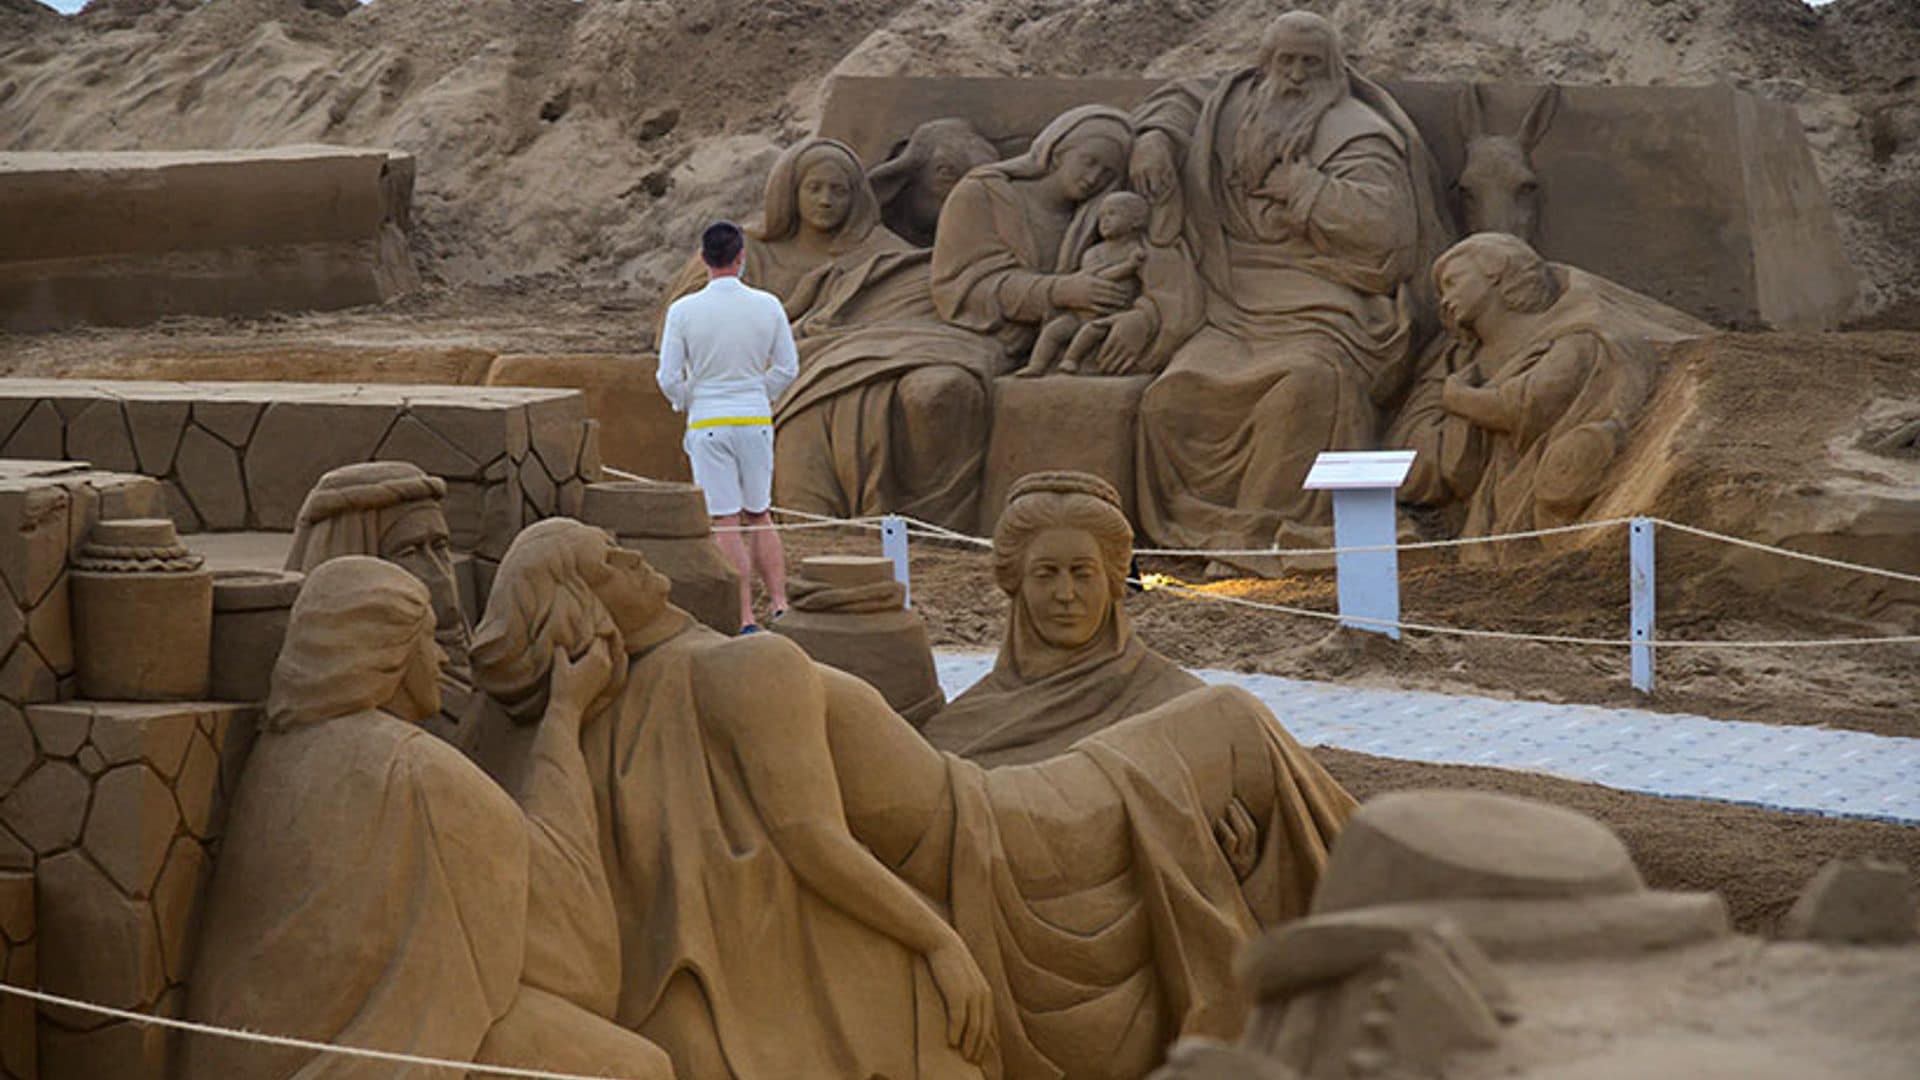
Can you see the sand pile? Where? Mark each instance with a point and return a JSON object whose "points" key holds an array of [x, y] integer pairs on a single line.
{"points": [[573, 143]]}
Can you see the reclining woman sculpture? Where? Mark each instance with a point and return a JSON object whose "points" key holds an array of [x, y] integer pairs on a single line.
{"points": [[890, 410], [375, 889], [1069, 664], [806, 888]]}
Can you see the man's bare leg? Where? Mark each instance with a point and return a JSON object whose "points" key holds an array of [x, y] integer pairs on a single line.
{"points": [[769, 557], [733, 545]]}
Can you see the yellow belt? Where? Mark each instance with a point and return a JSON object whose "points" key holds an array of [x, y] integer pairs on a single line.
{"points": [[729, 421]]}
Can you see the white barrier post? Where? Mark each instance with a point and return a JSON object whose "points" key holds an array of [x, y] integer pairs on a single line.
{"points": [[893, 545], [1364, 515], [1640, 587]]}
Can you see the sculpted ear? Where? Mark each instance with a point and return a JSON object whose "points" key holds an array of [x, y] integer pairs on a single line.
{"points": [[1539, 116], [890, 177], [1467, 109]]}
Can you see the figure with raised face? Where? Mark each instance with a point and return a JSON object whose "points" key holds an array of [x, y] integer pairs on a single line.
{"points": [[393, 510], [1306, 197], [889, 413], [1550, 368], [805, 887], [376, 889], [1070, 663]]}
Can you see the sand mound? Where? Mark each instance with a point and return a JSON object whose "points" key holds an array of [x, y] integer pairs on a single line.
{"points": [[576, 142]]}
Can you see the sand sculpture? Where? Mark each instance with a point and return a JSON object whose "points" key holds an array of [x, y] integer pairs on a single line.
{"points": [[1425, 895], [668, 523], [783, 844], [1166, 301], [890, 409], [914, 180], [480, 926], [392, 510], [849, 613], [1070, 664], [1307, 197], [1547, 371]]}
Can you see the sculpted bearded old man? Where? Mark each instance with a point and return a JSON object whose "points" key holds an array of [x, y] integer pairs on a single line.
{"points": [[1305, 195], [805, 887]]}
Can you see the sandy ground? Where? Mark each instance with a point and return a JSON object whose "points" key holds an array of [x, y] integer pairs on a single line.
{"points": [[572, 142]]}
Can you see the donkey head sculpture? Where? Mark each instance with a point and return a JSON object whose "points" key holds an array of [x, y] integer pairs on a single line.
{"points": [[1497, 190]]}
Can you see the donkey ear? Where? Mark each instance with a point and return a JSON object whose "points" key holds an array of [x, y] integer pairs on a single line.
{"points": [[1539, 116], [1467, 109]]}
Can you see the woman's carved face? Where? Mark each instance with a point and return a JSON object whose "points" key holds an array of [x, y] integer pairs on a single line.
{"points": [[1087, 165], [825, 196], [1065, 587]]}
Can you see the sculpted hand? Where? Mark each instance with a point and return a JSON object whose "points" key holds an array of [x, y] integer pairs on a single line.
{"points": [[1150, 171], [969, 999], [577, 683], [1457, 392], [1090, 292], [1239, 838], [1126, 346]]}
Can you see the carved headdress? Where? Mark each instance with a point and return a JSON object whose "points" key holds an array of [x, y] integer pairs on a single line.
{"points": [[351, 507], [782, 216], [355, 629]]}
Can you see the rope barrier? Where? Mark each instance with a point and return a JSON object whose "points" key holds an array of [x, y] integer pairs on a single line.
{"points": [[1152, 585], [927, 530], [461, 1067], [1838, 564], [1417, 545]]}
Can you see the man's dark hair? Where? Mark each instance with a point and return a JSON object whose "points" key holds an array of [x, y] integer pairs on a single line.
{"points": [[720, 244]]}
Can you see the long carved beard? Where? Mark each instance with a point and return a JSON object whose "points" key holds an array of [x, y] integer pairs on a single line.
{"points": [[1276, 129]]}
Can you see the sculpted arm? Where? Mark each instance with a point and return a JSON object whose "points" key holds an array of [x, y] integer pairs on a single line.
{"points": [[1539, 397], [763, 699], [1358, 210]]}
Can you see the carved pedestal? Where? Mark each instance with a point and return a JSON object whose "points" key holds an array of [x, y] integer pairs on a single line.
{"points": [[1083, 422]]}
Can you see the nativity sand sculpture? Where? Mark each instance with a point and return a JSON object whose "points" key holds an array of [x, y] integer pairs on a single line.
{"points": [[781, 844], [393, 510], [1307, 199], [479, 928], [889, 412], [1546, 371]]}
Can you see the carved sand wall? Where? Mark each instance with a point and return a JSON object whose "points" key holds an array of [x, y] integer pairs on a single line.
{"points": [[126, 238], [1705, 198], [240, 456]]}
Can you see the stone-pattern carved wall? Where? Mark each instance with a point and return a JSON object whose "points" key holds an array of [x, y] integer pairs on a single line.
{"points": [[46, 510], [238, 456], [121, 811], [17, 968]]}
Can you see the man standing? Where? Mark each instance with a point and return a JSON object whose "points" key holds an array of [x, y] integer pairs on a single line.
{"points": [[726, 354], [1305, 195]]}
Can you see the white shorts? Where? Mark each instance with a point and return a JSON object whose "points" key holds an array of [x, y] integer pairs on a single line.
{"points": [[733, 464]]}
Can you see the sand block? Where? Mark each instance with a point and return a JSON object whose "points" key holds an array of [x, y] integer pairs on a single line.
{"points": [[639, 432], [1705, 198], [245, 455], [1455, 845], [1855, 902], [847, 569], [18, 967], [126, 238], [1080, 422], [646, 508]]}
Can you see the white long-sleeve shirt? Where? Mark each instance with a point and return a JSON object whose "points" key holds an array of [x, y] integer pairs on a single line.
{"points": [[726, 354]]}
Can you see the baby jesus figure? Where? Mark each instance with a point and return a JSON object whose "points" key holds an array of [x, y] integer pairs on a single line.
{"points": [[1119, 256]]}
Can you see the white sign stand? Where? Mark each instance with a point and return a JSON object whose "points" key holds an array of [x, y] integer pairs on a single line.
{"points": [[1363, 485]]}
